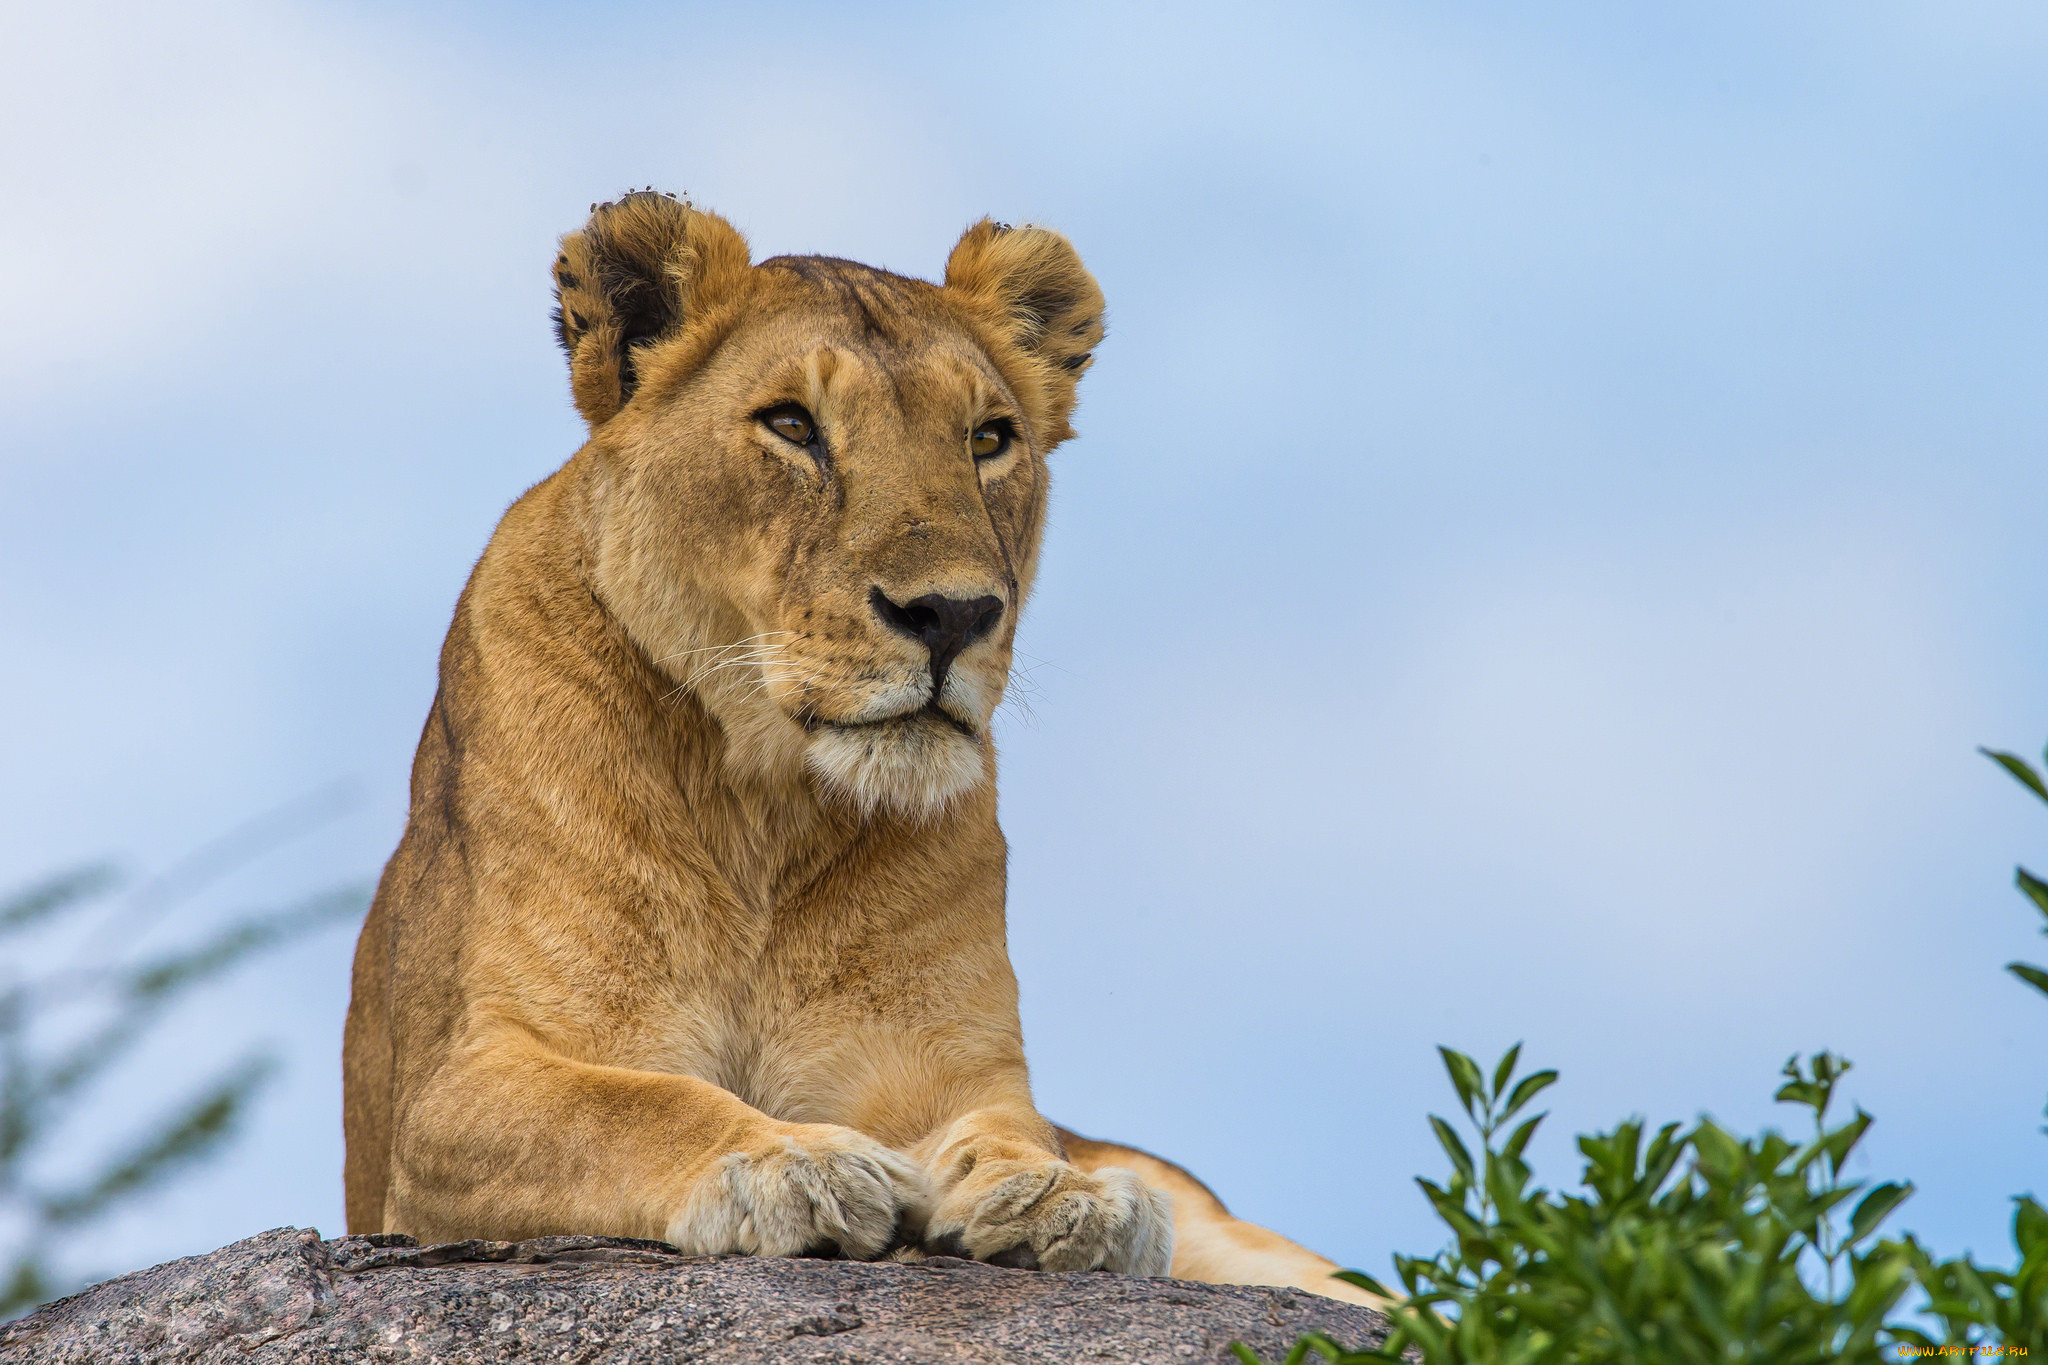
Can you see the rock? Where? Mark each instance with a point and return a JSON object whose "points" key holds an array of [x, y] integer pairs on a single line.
{"points": [[288, 1296]]}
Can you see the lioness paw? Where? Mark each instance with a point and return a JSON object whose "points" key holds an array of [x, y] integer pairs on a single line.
{"points": [[1053, 1216], [818, 1190]]}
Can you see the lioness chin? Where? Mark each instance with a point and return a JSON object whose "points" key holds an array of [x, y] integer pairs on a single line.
{"points": [[696, 928]]}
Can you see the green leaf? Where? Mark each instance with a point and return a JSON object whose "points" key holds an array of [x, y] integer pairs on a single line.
{"points": [[1323, 1346], [1813, 1087], [1453, 1147], [1449, 1204], [1519, 1139], [1365, 1282], [2029, 1227], [1715, 1145], [2017, 766], [2033, 976], [2035, 888], [1506, 1175], [1666, 1149], [1531, 1085], [1843, 1140], [1465, 1078], [1505, 1069], [1875, 1207], [1797, 1089]]}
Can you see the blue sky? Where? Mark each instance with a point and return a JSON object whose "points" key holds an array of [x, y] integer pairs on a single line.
{"points": [[1558, 507]]}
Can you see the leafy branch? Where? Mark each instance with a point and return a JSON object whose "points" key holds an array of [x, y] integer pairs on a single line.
{"points": [[111, 1009], [2032, 887]]}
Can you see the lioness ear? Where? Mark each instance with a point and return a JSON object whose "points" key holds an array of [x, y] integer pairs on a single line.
{"points": [[1030, 282], [641, 267]]}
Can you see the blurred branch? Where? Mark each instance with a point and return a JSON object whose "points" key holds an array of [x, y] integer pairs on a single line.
{"points": [[190, 1134], [25, 1285], [31, 907], [64, 1029], [174, 972]]}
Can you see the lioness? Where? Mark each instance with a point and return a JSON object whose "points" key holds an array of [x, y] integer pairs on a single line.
{"points": [[696, 929]]}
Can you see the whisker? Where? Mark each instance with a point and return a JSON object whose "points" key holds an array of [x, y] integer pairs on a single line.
{"points": [[705, 672], [757, 657], [749, 640], [707, 649], [690, 683], [1036, 662], [774, 669], [1018, 694], [699, 674]]}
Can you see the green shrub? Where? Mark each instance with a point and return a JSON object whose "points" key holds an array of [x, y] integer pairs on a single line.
{"points": [[1686, 1245], [1691, 1245]]}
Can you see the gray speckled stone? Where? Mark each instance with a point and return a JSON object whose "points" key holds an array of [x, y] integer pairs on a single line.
{"points": [[288, 1296]]}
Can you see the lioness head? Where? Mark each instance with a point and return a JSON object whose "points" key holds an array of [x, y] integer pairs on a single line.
{"points": [[821, 486]]}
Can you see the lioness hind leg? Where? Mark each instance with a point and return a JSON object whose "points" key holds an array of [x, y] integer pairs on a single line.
{"points": [[1209, 1244]]}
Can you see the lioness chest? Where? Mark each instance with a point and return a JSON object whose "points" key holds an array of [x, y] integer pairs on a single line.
{"points": [[828, 1003]]}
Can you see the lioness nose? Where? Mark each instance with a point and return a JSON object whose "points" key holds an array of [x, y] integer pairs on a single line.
{"points": [[945, 625]]}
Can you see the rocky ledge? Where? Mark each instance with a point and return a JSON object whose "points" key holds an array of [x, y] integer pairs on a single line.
{"points": [[289, 1296]]}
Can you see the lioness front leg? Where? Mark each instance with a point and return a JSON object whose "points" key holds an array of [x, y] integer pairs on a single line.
{"points": [[1004, 1195], [510, 1140]]}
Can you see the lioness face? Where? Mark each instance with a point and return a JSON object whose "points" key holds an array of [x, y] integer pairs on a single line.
{"points": [[847, 496], [822, 514]]}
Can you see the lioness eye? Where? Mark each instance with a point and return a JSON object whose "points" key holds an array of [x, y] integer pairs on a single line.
{"points": [[989, 439], [791, 423]]}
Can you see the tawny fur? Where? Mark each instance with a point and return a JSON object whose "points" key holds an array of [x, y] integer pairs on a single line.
{"points": [[696, 928]]}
